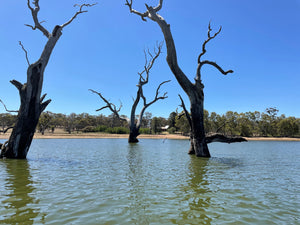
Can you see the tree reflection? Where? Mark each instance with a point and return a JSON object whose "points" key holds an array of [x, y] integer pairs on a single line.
{"points": [[138, 183], [18, 203], [196, 194]]}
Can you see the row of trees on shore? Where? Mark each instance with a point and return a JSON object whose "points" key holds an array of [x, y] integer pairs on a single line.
{"points": [[248, 124]]}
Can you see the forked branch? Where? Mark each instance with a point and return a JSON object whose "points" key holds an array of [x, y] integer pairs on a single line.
{"points": [[37, 24], [112, 107], [144, 14], [201, 63], [149, 64], [157, 97], [209, 37], [78, 12]]}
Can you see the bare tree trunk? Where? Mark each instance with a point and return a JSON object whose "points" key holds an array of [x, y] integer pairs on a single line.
{"points": [[134, 125], [198, 141], [134, 133], [193, 90], [32, 104], [29, 113]]}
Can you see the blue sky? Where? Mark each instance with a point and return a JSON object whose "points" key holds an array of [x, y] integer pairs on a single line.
{"points": [[103, 50]]}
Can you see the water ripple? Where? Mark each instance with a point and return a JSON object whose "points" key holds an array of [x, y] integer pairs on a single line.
{"points": [[109, 181]]}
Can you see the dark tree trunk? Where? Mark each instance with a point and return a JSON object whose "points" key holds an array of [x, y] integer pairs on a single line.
{"points": [[134, 132], [29, 113], [32, 104], [198, 141]]}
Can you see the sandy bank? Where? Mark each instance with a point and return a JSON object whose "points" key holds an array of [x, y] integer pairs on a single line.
{"points": [[142, 136]]}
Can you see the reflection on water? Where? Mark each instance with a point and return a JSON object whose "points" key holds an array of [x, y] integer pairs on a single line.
{"points": [[18, 199], [195, 194], [108, 181], [137, 182]]}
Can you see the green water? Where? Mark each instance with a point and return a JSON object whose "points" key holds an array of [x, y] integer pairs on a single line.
{"points": [[108, 181]]}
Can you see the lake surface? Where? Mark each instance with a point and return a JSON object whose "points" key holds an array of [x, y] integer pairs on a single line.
{"points": [[108, 181]]}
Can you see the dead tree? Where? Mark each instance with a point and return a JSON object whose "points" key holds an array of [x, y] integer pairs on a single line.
{"points": [[193, 90], [32, 103], [134, 124]]}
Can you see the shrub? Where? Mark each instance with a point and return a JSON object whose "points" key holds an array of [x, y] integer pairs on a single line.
{"points": [[172, 130], [89, 129], [145, 131], [101, 128], [117, 130]]}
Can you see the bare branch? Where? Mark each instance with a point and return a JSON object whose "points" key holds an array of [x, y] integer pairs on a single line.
{"points": [[26, 55], [6, 129], [44, 105], [157, 90], [180, 114], [42, 98], [145, 14], [109, 105], [220, 127], [209, 37], [149, 63], [222, 138], [142, 15], [78, 12], [156, 98], [37, 24], [201, 63], [7, 110], [17, 84], [104, 107], [216, 66], [187, 115]]}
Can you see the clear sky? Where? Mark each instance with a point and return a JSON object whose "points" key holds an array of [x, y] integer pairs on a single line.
{"points": [[103, 50]]}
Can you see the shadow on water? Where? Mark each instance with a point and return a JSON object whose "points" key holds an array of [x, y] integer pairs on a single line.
{"points": [[19, 201], [196, 198]]}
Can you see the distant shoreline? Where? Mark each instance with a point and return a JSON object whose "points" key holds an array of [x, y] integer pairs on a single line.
{"points": [[142, 136]]}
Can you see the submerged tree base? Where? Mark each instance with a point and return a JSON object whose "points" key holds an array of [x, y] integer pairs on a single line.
{"points": [[133, 137], [213, 138]]}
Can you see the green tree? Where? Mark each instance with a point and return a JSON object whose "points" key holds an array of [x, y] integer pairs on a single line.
{"points": [[155, 125], [288, 127], [44, 121], [231, 122], [244, 125], [146, 121], [268, 122], [172, 119], [182, 123]]}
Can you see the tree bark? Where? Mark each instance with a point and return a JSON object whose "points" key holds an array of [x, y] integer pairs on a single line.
{"points": [[28, 116], [134, 133], [32, 103], [198, 142]]}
